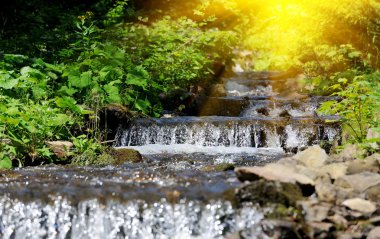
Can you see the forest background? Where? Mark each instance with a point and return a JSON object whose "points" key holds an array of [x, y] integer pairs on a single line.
{"points": [[63, 62]]}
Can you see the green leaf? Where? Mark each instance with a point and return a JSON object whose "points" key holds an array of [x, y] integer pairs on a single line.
{"points": [[112, 93], [7, 83], [12, 111], [59, 120], [143, 105], [136, 80], [67, 103], [5, 162], [82, 81], [68, 90]]}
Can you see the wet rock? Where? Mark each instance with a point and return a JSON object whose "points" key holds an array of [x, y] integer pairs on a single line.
{"points": [[275, 172], [217, 90], [369, 164], [285, 114], [360, 205], [7, 175], [277, 229], [219, 167], [60, 148], [312, 157], [374, 233], [359, 183], [173, 196], [122, 155], [281, 211], [334, 170], [112, 116], [263, 111], [264, 192]]}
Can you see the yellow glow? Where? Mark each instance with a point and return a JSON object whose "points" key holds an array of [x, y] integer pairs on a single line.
{"points": [[279, 30]]}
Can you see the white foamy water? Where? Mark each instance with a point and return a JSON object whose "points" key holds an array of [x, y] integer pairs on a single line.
{"points": [[134, 220], [191, 149], [236, 89]]}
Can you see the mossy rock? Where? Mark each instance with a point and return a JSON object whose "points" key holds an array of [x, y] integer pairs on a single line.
{"points": [[110, 157], [9, 174], [218, 167], [264, 192], [123, 155]]}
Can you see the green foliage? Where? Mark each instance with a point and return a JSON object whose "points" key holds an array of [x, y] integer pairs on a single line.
{"points": [[358, 106], [177, 52], [97, 55]]}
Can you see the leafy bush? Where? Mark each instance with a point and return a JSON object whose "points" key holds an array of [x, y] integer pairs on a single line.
{"points": [[358, 106]]}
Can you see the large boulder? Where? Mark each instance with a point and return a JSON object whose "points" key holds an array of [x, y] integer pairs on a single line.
{"points": [[312, 157]]}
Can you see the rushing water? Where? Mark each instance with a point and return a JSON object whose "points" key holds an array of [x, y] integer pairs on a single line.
{"points": [[179, 190]]}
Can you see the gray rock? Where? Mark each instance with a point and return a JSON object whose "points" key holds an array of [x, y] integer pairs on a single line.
{"points": [[273, 172], [374, 233], [373, 193], [312, 157], [359, 183], [311, 173], [375, 156], [334, 170], [373, 135], [324, 189], [360, 205], [288, 161], [369, 164], [338, 220], [349, 235], [375, 220], [315, 211]]}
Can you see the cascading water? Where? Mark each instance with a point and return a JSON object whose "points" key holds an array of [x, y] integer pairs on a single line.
{"points": [[177, 191]]}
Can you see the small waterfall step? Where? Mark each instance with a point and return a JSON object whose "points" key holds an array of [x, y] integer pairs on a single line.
{"points": [[165, 199], [287, 133]]}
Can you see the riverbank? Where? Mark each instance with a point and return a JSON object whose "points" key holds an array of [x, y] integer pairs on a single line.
{"points": [[314, 195]]}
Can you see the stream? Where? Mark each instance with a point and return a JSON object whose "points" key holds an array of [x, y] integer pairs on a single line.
{"points": [[183, 188]]}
